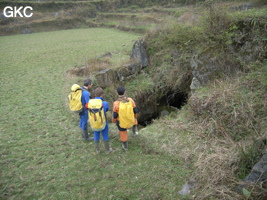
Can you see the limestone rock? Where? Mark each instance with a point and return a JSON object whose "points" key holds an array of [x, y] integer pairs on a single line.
{"points": [[106, 55], [26, 31], [127, 71], [258, 172], [211, 65], [139, 53], [187, 187], [106, 77], [195, 84]]}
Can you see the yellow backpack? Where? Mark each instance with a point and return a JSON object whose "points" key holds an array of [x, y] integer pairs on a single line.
{"points": [[75, 99], [96, 113], [126, 114]]}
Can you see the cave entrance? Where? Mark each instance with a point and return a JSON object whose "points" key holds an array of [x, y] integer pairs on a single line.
{"points": [[166, 104], [174, 99]]}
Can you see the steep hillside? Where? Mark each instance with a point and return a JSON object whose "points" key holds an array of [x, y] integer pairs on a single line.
{"points": [[225, 114]]}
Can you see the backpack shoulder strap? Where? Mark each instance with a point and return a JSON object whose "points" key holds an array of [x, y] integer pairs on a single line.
{"points": [[123, 100]]}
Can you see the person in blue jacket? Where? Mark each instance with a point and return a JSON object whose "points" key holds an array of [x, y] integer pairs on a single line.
{"points": [[84, 114], [99, 92]]}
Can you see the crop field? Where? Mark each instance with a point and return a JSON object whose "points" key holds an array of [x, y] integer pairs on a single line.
{"points": [[41, 150]]}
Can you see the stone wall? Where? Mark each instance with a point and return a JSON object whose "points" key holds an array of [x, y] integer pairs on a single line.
{"points": [[138, 60]]}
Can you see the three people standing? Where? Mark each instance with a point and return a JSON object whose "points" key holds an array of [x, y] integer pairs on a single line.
{"points": [[124, 115]]}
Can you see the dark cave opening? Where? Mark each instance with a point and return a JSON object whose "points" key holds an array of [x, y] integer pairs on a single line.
{"points": [[170, 102], [174, 99]]}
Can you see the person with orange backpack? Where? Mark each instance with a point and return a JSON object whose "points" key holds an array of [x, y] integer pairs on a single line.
{"points": [[124, 115]]}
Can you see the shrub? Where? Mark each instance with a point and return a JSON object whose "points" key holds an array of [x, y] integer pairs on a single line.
{"points": [[229, 119], [230, 112]]}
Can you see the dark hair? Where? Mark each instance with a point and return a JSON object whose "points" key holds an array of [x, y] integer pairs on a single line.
{"points": [[120, 90], [98, 92], [87, 82]]}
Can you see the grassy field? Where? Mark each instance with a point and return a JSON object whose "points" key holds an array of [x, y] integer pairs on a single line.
{"points": [[42, 154]]}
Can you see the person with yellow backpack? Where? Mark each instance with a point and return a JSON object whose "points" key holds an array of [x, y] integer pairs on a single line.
{"points": [[124, 115], [78, 98], [97, 109]]}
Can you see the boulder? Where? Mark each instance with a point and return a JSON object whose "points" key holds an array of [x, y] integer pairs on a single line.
{"points": [[204, 69], [212, 64], [195, 84], [106, 55], [123, 73], [257, 174], [187, 187], [106, 77], [128, 71], [26, 31], [139, 53], [134, 68], [259, 170]]}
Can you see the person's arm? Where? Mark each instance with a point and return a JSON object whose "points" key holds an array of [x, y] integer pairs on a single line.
{"points": [[115, 112], [106, 106], [135, 109], [86, 98]]}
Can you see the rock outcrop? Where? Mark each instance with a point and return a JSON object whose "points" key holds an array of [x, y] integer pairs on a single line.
{"points": [[138, 60], [139, 53], [247, 46], [257, 174], [211, 65], [109, 77], [106, 77]]}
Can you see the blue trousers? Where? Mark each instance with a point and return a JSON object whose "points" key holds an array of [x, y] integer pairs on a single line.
{"points": [[83, 119], [104, 134]]}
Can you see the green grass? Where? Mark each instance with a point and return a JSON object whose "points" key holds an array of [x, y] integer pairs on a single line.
{"points": [[42, 154]]}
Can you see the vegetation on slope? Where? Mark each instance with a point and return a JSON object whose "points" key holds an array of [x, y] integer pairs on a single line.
{"points": [[225, 120], [220, 133]]}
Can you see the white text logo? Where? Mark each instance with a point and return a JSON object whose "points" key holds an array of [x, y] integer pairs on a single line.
{"points": [[14, 12]]}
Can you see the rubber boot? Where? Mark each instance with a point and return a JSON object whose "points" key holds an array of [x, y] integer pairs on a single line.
{"points": [[86, 136], [125, 145], [97, 146], [107, 147], [134, 129], [83, 136]]}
